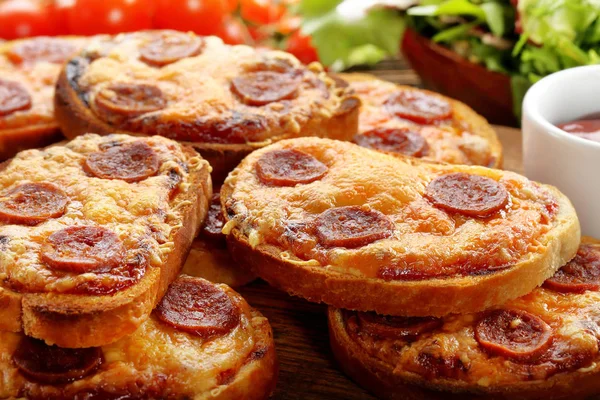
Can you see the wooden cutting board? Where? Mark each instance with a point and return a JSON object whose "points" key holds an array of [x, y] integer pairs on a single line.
{"points": [[307, 368]]}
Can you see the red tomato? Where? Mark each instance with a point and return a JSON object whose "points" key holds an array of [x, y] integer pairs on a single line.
{"points": [[301, 46], [201, 16], [258, 33], [233, 31], [90, 17], [262, 11], [288, 24], [20, 18], [232, 5]]}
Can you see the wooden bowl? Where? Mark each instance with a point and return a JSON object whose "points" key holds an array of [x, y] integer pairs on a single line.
{"points": [[487, 92]]}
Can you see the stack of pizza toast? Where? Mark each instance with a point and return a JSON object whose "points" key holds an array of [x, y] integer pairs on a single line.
{"points": [[193, 165]]}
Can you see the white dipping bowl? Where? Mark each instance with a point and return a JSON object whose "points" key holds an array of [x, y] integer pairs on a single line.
{"points": [[556, 157]]}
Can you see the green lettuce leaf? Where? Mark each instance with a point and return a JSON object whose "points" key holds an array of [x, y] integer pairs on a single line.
{"points": [[343, 41]]}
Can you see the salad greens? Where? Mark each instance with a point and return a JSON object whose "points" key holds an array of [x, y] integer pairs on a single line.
{"points": [[526, 39]]}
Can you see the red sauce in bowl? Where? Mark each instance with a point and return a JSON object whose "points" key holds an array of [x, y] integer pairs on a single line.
{"points": [[587, 128]]}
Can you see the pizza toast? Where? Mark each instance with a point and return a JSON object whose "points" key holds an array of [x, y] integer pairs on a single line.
{"points": [[92, 233]]}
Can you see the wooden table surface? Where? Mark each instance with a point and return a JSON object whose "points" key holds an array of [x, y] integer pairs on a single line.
{"points": [[307, 368]]}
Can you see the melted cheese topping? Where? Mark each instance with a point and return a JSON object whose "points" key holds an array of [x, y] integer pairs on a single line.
{"points": [[424, 237], [155, 356], [454, 141], [141, 214], [570, 316], [39, 79], [198, 89]]}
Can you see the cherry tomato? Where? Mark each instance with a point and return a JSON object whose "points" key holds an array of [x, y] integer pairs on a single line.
{"points": [[288, 24], [20, 18], [233, 31], [262, 11], [89, 17], [232, 5], [301, 46], [201, 16], [259, 33]]}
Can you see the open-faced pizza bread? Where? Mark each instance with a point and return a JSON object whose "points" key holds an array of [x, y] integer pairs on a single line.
{"points": [[419, 123], [209, 257], [224, 100], [358, 229], [543, 345], [29, 69], [203, 341], [93, 231]]}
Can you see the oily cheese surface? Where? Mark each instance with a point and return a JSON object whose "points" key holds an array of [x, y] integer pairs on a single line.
{"points": [[200, 101], [424, 239], [141, 214]]}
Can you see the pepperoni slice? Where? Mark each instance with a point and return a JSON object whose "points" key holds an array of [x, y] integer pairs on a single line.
{"points": [[264, 87], [351, 227], [404, 140], [582, 273], [339, 81], [470, 195], [397, 327], [288, 168], [214, 220], [131, 162], [54, 365], [82, 249], [13, 97], [197, 306], [169, 47], [53, 50], [32, 203], [419, 107], [514, 334], [129, 100]]}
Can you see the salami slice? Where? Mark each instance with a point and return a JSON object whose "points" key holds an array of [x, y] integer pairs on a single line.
{"points": [[128, 100], [13, 97], [582, 273], [418, 107], [288, 168], [54, 365], [407, 141], [264, 87], [514, 334], [351, 227], [131, 162], [213, 225], [397, 327], [470, 195], [197, 306], [53, 50], [81, 249], [168, 47], [32, 203]]}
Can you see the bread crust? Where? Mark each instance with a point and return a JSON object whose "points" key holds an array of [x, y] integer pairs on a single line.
{"points": [[427, 297], [244, 366], [465, 118], [76, 321], [75, 118], [391, 381]]}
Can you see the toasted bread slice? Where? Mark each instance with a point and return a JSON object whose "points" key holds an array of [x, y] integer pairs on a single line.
{"points": [[541, 346], [225, 101], [458, 135], [234, 359], [209, 257], [29, 69], [358, 229], [92, 232]]}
